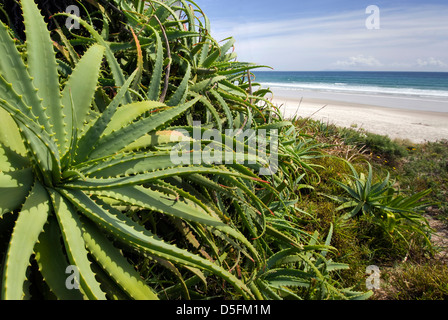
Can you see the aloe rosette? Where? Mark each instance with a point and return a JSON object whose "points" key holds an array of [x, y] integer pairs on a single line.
{"points": [[66, 171]]}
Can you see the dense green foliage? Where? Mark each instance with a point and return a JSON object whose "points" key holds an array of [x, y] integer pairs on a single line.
{"points": [[88, 118]]}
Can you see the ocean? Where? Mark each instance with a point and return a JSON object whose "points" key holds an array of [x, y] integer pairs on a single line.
{"points": [[413, 87]]}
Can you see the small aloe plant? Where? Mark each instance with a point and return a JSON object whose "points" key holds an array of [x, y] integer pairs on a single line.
{"points": [[392, 210], [65, 172]]}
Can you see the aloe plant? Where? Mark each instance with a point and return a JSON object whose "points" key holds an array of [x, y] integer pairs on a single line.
{"points": [[170, 43], [280, 277], [86, 172], [392, 210], [66, 171]]}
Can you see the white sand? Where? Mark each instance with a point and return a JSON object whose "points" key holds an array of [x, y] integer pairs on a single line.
{"points": [[397, 123]]}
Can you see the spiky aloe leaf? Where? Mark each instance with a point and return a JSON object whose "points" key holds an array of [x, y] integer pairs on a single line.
{"points": [[130, 112], [93, 134], [119, 139], [156, 78], [130, 233], [14, 71], [10, 97], [24, 125], [45, 161], [113, 262], [157, 138], [288, 277], [180, 94], [202, 85], [12, 148], [29, 225], [146, 198], [119, 77], [81, 84], [226, 47], [53, 262], [42, 67], [108, 183], [128, 164], [224, 106], [11, 160], [14, 187], [72, 235]]}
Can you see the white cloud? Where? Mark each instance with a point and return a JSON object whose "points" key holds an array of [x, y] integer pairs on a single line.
{"points": [[359, 61], [431, 62], [343, 41]]}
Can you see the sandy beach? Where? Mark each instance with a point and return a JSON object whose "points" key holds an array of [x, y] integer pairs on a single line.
{"points": [[398, 118]]}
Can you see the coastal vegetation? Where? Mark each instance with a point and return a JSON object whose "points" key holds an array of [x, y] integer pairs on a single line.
{"points": [[93, 207]]}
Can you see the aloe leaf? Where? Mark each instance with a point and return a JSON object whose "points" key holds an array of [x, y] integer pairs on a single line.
{"points": [[113, 63], [288, 277], [202, 85], [71, 230], [132, 234], [14, 188], [282, 257], [11, 97], [113, 262], [29, 225], [119, 139], [129, 164], [368, 184], [211, 59], [11, 160], [213, 111], [146, 198], [156, 138], [42, 67], [138, 77], [10, 134], [380, 188], [23, 121], [96, 130], [180, 94], [82, 86], [53, 263], [164, 11], [224, 106], [226, 47], [233, 71], [130, 112], [190, 17], [14, 70], [108, 183], [156, 78], [43, 158]]}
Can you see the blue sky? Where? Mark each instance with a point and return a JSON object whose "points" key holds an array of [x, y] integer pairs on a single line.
{"points": [[329, 35]]}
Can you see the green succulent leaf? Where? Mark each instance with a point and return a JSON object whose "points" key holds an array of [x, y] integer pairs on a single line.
{"points": [[29, 225], [81, 84], [127, 231], [42, 67], [14, 188], [72, 235], [53, 262], [119, 139], [113, 262]]}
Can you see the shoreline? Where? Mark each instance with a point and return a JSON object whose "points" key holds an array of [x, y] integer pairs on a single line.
{"points": [[417, 126]]}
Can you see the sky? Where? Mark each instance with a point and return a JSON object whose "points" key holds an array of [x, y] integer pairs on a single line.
{"points": [[322, 35]]}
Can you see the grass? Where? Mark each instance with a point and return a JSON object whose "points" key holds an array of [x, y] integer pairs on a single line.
{"points": [[412, 281], [409, 270]]}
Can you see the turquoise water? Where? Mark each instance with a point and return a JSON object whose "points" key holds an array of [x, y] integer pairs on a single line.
{"points": [[432, 85]]}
